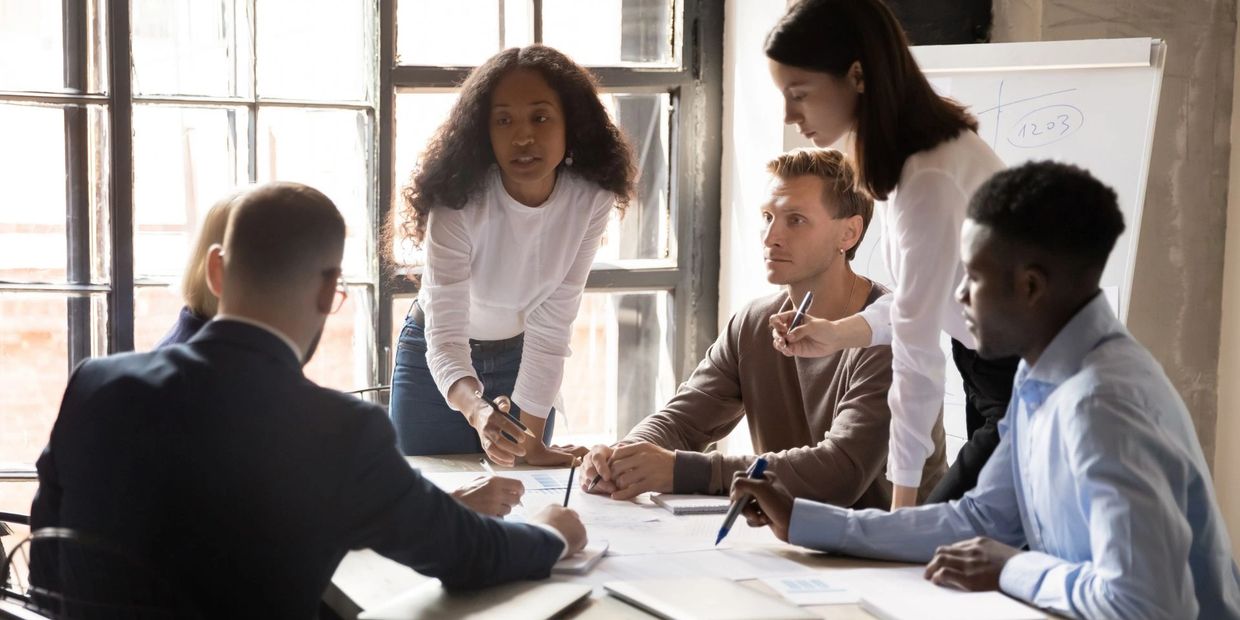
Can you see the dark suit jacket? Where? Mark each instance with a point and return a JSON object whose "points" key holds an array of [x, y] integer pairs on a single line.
{"points": [[246, 483]]}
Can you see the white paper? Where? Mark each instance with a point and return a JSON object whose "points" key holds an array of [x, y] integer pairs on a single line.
{"points": [[811, 590], [905, 593], [630, 527], [734, 564]]}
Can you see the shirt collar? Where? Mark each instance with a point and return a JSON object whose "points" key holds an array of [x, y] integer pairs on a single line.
{"points": [[263, 326], [1062, 358]]}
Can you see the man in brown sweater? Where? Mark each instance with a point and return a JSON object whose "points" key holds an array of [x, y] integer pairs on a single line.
{"points": [[822, 423]]}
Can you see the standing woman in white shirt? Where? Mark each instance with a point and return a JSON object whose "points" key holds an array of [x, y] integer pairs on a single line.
{"points": [[510, 202], [846, 72]]}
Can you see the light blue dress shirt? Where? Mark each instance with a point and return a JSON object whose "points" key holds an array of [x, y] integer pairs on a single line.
{"points": [[1098, 471]]}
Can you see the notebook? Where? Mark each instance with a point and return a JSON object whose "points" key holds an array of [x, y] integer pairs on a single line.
{"points": [[514, 601], [711, 598], [580, 563], [693, 504]]}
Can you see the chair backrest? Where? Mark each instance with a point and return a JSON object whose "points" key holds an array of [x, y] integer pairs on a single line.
{"points": [[75, 575]]}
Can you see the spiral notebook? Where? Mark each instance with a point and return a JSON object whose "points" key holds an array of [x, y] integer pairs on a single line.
{"points": [[693, 504]]}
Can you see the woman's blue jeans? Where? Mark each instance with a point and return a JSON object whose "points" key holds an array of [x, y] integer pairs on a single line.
{"points": [[424, 422]]}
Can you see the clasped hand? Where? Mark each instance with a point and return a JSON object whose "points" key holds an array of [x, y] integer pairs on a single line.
{"points": [[629, 470]]}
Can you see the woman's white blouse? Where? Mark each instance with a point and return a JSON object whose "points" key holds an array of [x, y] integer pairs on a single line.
{"points": [[921, 245], [497, 268]]}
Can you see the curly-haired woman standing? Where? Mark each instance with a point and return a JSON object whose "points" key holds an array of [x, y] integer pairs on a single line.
{"points": [[510, 202]]}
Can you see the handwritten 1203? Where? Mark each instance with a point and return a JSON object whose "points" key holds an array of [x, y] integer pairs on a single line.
{"points": [[1045, 126]]}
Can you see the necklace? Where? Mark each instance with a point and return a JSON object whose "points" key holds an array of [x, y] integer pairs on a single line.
{"points": [[848, 300]]}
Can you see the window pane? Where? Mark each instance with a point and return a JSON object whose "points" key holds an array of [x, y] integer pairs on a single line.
{"points": [[610, 32], [31, 45], [185, 159], [620, 367], [432, 33], [34, 367], [418, 115], [330, 151], [316, 49], [343, 357], [32, 51], [155, 310], [645, 229], [33, 237], [191, 47]]}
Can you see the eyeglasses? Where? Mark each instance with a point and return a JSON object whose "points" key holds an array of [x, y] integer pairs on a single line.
{"points": [[342, 293]]}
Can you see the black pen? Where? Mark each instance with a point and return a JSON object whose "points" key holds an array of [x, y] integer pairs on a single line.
{"points": [[597, 479], [569, 489], [511, 417]]}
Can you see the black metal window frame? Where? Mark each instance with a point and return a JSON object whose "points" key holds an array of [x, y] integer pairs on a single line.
{"points": [[694, 86]]}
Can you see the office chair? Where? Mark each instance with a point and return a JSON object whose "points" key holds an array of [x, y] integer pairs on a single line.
{"points": [[77, 576]]}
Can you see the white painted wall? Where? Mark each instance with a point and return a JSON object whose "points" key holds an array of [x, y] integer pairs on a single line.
{"points": [[752, 136], [1227, 434], [752, 111]]}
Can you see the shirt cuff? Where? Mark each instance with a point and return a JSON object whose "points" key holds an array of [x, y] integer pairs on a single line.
{"points": [[558, 536], [878, 316], [526, 405], [1022, 576], [691, 472], [817, 526], [904, 477]]}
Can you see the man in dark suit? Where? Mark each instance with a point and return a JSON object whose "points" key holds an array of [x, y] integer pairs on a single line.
{"points": [[241, 480]]}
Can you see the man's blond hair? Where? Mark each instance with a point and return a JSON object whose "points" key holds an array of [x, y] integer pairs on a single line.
{"points": [[839, 180]]}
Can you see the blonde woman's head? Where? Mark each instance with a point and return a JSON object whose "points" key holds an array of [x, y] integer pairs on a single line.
{"points": [[198, 298]]}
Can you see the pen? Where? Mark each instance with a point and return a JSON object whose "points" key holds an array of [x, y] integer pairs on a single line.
{"points": [[506, 414], [755, 472], [597, 479], [801, 310], [569, 488]]}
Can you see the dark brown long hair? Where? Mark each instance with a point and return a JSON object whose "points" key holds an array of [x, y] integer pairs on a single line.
{"points": [[459, 155], [898, 113]]}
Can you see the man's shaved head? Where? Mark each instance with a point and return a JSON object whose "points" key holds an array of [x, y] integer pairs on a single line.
{"points": [[279, 234]]}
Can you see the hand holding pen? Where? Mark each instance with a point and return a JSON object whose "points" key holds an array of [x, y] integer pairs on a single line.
{"points": [[764, 502], [815, 338], [596, 477], [502, 435], [739, 499], [491, 495]]}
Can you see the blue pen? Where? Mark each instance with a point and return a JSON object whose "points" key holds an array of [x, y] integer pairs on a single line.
{"points": [[755, 472]]}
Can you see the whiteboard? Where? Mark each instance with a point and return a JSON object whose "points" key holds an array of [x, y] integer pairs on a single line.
{"points": [[1089, 103]]}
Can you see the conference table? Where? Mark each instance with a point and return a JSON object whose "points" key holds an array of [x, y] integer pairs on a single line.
{"points": [[366, 579]]}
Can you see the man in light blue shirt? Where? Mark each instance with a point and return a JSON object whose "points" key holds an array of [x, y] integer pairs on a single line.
{"points": [[1098, 471]]}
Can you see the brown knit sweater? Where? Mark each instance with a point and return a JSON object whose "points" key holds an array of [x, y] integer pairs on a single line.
{"points": [[822, 423]]}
